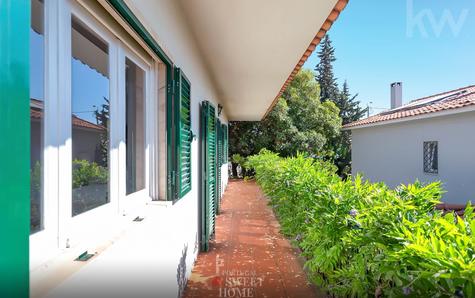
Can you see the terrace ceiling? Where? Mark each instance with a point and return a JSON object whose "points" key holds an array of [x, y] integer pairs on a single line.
{"points": [[252, 47]]}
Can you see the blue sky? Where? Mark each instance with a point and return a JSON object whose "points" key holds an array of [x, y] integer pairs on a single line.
{"points": [[88, 86], [429, 45]]}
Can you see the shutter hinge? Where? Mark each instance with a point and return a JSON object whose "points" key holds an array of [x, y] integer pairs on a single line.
{"points": [[170, 87], [174, 177], [169, 179]]}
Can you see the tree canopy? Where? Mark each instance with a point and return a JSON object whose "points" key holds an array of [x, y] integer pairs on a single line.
{"points": [[324, 71], [299, 122], [307, 117]]}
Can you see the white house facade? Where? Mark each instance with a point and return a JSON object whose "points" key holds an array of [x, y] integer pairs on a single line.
{"points": [[114, 116], [430, 139]]}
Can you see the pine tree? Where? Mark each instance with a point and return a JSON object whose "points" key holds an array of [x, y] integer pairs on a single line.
{"points": [[324, 71], [350, 109], [349, 106]]}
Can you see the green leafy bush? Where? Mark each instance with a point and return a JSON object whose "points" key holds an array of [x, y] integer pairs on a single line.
{"points": [[87, 173], [237, 158], [363, 239], [240, 160]]}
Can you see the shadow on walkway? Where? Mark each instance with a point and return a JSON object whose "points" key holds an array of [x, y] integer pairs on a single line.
{"points": [[249, 257]]}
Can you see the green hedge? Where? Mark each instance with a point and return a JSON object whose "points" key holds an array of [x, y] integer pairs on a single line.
{"points": [[362, 239]]}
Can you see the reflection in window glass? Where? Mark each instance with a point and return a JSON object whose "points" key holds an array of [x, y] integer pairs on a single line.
{"points": [[90, 119], [135, 126], [36, 114]]}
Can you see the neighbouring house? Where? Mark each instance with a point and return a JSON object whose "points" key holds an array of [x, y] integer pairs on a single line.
{"points": [[428, 139], [114, 124], [85, 133]]}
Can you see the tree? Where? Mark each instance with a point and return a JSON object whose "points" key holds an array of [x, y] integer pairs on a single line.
{"points": [[102, 119], [350, 110], [349, 107], [299, 122], [245, 138], [324, 71]]}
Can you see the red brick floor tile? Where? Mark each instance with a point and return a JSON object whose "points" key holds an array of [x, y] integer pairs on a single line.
{"points": [[248, 257]]}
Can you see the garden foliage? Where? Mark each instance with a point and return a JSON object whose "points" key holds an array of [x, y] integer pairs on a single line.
{"points": [[87, 173], [363, 239], [299, 121]]}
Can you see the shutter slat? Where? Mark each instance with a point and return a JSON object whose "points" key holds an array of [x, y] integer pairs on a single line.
{"points": [[184, 136], [211, 166]]}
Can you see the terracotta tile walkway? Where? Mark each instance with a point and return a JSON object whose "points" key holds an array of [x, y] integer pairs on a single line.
{"points": [[249, 257]]}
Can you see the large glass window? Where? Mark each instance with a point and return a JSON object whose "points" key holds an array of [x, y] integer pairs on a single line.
{"points": [[135, 126], [90, 119], [37, 70]]}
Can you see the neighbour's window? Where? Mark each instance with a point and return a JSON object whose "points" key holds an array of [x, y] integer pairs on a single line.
{"points": [[135, 126], [90, 119], [37, 70], [431, 162]]}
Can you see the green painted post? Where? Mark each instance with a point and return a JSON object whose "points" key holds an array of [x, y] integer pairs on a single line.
{"points": [[14, 148]]}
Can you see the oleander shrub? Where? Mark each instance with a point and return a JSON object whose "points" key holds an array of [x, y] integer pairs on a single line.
{"points": [[363, 239]]}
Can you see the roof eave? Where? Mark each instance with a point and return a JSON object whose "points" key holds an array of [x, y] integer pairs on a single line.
{"points": [[332, 17], [465, 109]]}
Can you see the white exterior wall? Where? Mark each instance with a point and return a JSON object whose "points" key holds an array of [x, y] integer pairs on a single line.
{"points": [[152, 258], [393, 153]]}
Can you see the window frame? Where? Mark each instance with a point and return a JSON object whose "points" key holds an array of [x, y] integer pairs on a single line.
{"points": [[43, 244], [72, 229], [61, 229], [126, 53]]}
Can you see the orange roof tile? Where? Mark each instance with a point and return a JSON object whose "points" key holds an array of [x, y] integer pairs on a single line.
{"points": [[76, 121], [339, 6], [449, 100]]}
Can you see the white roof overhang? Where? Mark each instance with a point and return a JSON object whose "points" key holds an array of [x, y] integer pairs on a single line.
{"points": [[254, 48]]}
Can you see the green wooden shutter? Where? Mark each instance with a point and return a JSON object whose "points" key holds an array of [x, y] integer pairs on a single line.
{"points": [[219, 157], [224, 155], [208, 168], [226, 144], [212, 166], [183, 133]]}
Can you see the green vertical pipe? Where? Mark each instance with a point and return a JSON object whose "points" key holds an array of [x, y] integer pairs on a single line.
{"points": [[14, 148]]}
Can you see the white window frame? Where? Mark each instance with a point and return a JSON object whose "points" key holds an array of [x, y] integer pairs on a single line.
{"points": [[134, 200], [44, 243], [60, 229], [74, 230]]}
